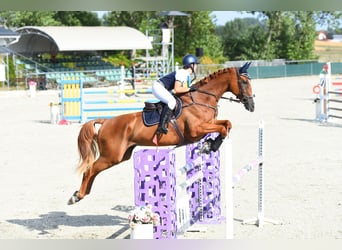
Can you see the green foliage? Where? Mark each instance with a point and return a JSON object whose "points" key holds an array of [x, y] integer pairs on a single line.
{"points": [[77, 18], [197, 31], [141, 20], [12, 76], [301, 47], [331, 19], [49, 18], [28, 18], [291, 35], [118, 59], [273, 34], [242, 39]]}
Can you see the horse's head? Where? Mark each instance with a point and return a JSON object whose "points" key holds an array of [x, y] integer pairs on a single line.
{"points": [[245, 93], [234, 80]]}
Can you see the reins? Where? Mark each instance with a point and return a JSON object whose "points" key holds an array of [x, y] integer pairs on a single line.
{"points": [[231, 99], [193, 102], [240, 98], [217, 99]]}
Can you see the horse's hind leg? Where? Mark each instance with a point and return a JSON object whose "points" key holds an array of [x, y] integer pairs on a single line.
{"points": [[88, 178]]}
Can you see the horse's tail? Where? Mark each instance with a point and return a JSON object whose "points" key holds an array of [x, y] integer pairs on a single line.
{"points": [[87, 144]]}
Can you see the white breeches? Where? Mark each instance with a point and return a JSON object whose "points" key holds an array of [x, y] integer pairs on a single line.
{"points": [[159, 91]]}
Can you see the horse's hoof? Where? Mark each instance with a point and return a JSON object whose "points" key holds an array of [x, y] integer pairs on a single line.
{"points": [[74, 198]]}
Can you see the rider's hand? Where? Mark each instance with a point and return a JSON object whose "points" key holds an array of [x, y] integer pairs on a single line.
{"points": [[192, 88]]}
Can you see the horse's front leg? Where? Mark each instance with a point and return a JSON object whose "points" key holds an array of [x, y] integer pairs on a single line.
{"points": [[220, 126], [226, 124]]}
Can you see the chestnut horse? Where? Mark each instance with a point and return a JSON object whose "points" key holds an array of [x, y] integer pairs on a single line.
{"points": [[103, 143]]}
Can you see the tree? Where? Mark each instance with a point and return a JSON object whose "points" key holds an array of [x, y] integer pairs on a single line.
{"points": [[279, 34], [301, 44], [197, 31], [242, 39], [141, 20], [292, 34], [16, 19], [77, 18], [331, 19]]}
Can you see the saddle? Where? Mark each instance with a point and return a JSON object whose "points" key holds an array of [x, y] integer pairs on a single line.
{"points": [[152, 111]]}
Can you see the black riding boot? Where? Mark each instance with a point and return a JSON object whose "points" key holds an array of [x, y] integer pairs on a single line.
{"points": [[165, 117]]}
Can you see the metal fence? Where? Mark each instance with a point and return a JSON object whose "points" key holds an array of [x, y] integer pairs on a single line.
{"points": [[272, 70], [257, 70]]}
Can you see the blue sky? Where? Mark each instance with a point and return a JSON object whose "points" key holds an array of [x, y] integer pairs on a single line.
{"points": [[224, 16], [221, 16]]}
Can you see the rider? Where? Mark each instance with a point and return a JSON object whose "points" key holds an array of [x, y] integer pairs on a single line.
{"points": [[176, 82]]}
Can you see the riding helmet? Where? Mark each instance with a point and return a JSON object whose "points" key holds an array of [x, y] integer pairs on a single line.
{"points": [[189, 59]]}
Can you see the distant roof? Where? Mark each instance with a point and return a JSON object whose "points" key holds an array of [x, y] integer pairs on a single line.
{"points": [[40, 39], [7, 36]]}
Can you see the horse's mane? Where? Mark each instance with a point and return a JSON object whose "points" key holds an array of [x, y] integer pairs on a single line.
{"points": [[213, 75]]}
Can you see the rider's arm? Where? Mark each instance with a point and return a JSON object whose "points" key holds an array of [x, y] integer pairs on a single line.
{"points": [[178, 89]]}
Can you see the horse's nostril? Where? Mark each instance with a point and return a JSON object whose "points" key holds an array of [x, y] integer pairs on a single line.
{"points": [[249, 104]]}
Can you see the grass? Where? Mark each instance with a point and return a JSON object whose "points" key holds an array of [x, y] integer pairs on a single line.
{"points": [[328, 51]]}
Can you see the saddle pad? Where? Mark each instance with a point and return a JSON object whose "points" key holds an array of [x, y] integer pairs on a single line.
{"points": [[152, 117]]}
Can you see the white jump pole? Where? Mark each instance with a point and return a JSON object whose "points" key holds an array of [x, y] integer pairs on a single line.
{"points": [[260, 220], [122, 82], [229, 189], [325, 80]]}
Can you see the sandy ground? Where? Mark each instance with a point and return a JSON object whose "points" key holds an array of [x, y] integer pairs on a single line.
{"points": [[302, 167]]}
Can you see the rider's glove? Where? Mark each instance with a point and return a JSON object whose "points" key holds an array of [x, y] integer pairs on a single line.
{"points": [[193, 88]]}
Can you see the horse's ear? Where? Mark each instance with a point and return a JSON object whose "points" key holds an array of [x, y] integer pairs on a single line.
{"points": [[244, 68]]}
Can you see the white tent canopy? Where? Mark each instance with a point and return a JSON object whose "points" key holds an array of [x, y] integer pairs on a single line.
{"points": [[34, 39]]}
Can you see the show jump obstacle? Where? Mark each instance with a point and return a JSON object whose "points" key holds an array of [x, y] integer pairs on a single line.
{"points": [[197, 199], [81, 105], [329, 97], [232, 180]]}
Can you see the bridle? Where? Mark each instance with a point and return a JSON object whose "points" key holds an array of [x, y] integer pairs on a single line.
{"points": [[240, 98]]}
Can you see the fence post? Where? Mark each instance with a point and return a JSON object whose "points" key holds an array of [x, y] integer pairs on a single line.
{"points": [[260, 220], [229, 189]]}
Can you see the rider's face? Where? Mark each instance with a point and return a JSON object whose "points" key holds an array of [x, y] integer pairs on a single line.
{"points": [[195, 67]]}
